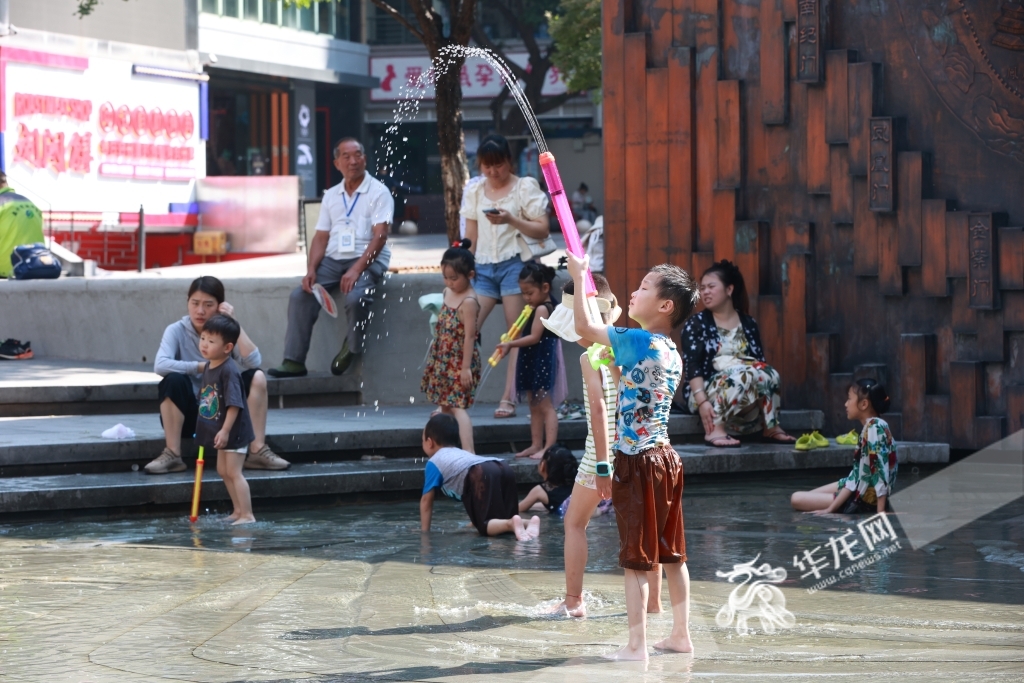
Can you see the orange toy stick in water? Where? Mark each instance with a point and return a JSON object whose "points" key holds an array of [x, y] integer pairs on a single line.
{"points": [[513, 333], [199, 484]]}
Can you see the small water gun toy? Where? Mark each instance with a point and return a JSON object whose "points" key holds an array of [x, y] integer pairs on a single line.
{"points": [[195, 491], [599, 354], [513, 333]]}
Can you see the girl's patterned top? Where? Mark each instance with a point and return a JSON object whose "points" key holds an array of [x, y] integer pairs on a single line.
{"points": [[609, 391], [874, 463], [701, 342], [444, 363]]}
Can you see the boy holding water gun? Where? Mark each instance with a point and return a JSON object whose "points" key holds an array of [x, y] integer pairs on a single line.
{"points": [[647, 480], [223, 422]]}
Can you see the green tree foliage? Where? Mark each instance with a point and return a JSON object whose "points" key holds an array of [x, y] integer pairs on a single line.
{"points": [[576, 29]]}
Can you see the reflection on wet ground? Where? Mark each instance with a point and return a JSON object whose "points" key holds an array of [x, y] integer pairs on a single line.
{"points": [[356, 593]]}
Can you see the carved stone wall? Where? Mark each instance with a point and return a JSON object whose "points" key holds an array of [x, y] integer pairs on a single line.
{"points": [[863, 163]]}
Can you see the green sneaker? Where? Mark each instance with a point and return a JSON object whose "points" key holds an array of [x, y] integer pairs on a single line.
{"points": [[343, 360], [288, 368]]}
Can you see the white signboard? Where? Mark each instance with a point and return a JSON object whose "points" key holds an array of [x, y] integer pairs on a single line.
{"points": [[478, 78], [101, 138]]}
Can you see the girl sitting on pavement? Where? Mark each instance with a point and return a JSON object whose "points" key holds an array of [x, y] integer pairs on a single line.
{"points": [[453, 365], [558, 468], [540, 376], [867, 487]]}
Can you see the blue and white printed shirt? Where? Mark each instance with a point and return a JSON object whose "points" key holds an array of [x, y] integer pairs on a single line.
{"points": [[651, 370]]}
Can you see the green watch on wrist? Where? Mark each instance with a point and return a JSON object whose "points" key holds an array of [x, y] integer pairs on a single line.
{"points": [[603, 469]]}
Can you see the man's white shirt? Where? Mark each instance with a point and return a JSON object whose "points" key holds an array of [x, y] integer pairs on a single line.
{"points": [[350, 219]]}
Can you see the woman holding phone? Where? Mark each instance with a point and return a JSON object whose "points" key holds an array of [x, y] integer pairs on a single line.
{"points": [[496, 211]]}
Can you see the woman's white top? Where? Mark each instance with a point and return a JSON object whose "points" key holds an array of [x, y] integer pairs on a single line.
{"points": [[497, 243]]}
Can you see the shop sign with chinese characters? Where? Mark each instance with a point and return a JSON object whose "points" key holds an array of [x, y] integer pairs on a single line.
{"points": [[401, 76], [100, 124]]}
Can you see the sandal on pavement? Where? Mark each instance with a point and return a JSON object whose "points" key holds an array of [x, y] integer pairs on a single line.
{"points": [[501, 411], [848, 439], [716, 442], [780, 436]]}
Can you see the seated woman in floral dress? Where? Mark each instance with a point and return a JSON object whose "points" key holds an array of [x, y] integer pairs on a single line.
{"points": [[729, 384]]}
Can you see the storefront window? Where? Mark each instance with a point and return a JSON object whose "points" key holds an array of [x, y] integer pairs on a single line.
{"points": [[289, 17], [330, 17], [270, 15]]}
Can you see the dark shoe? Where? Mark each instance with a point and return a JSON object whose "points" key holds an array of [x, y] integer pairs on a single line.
{"points": [[12, 349], [343, 360], [289, 368]]}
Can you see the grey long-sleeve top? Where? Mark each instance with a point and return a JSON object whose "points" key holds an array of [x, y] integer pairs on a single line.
{"points": [[179, 352]]}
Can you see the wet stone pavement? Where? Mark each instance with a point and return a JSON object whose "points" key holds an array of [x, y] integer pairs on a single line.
{"points": [[354, 593]]}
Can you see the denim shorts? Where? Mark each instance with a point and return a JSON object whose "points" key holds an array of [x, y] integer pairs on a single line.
{"points": [[496, 280]]}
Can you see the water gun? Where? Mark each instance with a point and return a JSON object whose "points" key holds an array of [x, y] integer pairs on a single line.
{"points": [[568, 224], [513, 333], [198, 485], [599, 354]]}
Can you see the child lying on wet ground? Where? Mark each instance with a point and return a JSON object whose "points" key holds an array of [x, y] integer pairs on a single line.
{"points": [[486, 486]]}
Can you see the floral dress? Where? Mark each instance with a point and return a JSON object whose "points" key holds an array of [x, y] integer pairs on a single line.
{"points": [[874, 465], [444, 363], [742, 388]]}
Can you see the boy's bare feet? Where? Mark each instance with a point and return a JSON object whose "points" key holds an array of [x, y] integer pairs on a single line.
{"points": [[654, 608], [233, 516], [531, 452], [676, 643], [627, 654], [533, 528], [248, 519], [519, 529], [574, 607]]}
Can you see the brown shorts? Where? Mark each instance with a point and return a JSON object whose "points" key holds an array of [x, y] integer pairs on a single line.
{"points": [[647, 491], [490, 493]]}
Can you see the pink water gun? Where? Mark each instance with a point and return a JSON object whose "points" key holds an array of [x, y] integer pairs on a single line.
{"points": [[564, 213]]}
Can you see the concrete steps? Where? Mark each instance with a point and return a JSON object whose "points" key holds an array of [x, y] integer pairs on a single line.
{"points": [[134, 489], [72, 443], [57, 387]]}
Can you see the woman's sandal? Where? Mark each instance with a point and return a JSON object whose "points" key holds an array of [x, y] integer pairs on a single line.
{"points": [[779, 437], [501, 411], [714, 443]]}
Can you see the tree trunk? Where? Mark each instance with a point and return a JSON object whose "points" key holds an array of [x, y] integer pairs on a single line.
{"points": [[451, 145]]}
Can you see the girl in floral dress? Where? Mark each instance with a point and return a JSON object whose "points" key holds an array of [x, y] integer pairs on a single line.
{"points": [[453, 364], [866, 489]]}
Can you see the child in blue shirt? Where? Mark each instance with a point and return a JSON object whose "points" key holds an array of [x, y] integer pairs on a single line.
{"points": [[647, 486], [486, 486]]}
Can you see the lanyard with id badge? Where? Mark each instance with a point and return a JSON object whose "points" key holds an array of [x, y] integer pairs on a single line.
{"points": [[347, 234]]}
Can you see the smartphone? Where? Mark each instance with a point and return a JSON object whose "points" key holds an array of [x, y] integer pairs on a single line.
{"points": [[493, 212]]}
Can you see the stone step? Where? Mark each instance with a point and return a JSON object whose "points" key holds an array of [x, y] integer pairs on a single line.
{"points": [[30, 445], [132, 489], [56, 387]]}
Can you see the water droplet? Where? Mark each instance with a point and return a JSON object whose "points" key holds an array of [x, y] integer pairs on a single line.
{"points": [[412, 399]]}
